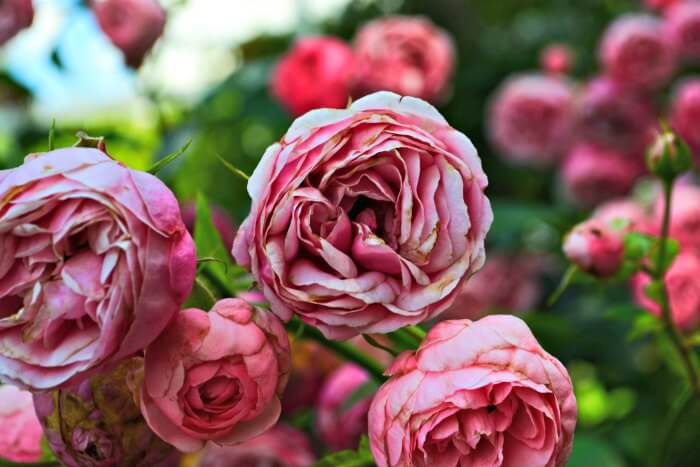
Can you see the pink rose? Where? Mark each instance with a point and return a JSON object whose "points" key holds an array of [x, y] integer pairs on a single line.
{"points": [[311, 363], [636, 52], [279, 447], [683, 29], [339, 427], [216, 376], [530, 118], [661, 5], [685, 113], [683, 291], [366, 219], [15, 15], [406, 55], [315, 73], [556, 59], [222, 221], [624, 211], [685, 215], [96, 261], [474, 393], [20, 437], [596, 247], [133, 26]]}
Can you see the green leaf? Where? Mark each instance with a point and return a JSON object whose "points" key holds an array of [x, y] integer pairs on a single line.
{"points": [[364, 391], [655, 291], [233, 169], [638, 245], [52, 135], [169, 158], [643, 325], [626, 312], [360, 458], [672, 249]]}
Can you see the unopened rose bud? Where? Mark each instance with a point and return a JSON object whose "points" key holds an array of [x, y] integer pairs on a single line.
{"points": [[669, 156], [596, 247]]}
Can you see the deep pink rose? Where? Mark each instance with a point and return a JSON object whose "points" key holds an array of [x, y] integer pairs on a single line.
{"points": [[406, 55], [683, 29], [685, 113], [133, 26], [475, 393], [625, 212], [20, 437], [95, 263], [557, 59], [683, 291], [281, 446], [316, 73], [685, 215], [366, 219], [15, 15], [530, 118], [596, 247], [216, 376], [341, 427], [592, 174], [222, 221]]}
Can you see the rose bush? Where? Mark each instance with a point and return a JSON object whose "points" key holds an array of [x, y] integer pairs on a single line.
{"points": [[20, 437]]}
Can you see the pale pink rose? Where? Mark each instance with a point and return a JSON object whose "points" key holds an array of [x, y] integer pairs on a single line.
{"points": [[96, 261], [133, 26], [557, 59], [596, 247], [530, 118], [216, 377], [685, 215], [366, 219], [15, 15], [625, 212], [222, 221], [683, 291], [341, 427], [316, 73], [281, 446], [20, 437], [685, 113], [683, 29], [635, 52], [475, 393], [406, 55]]}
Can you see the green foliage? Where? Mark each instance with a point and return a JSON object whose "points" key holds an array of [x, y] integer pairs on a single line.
{"points": [[169, 158], [360, 458]]}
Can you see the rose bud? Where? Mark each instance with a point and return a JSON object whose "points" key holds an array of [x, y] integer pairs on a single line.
{"points": [[311, 365], [98, 423], [366, 219], [15, 15], [625, 213], [683, 29], [592, 174], [315, 73], [683, 289], [669, 156], [685, 215], [420, 56], [556, 59], [596, 247], [20, 437], [474, 393], [133, 26], [281, 446], [530, 118], [222, 221], [685, 113], [635, 52], [216, 377], [341, 427], [95, 262]]}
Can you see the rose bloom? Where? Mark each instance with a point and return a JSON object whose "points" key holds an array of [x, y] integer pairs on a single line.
{"points": [[222, 221], [683, 29], [315, 73], [95, 263], [281, 446], [685, 113], [20, 437], [406, 55], [596, 247], [685, 215], [15, 15], [342, 427], [625, 212], [216, 376], [133, 26], [367, 219], [474, 393], [530, 118], [683, 291], [636, 52], [556, 59]]}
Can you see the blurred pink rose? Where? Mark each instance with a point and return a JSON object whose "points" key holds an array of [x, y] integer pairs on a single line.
{"points": [[20, 437], [316, 73], [216, 376], [661, 5], [133, 26], [623, 210], [556, 59], [635, 51], [366, 219], [96, 261], [475, 393], [406, 55], [685, 215], [683, 29], [279, 447], [311, 365], [222, 221], [338, 427], [685, 113], [15, 15], [530, 118], [683, 291], [596, 247]]}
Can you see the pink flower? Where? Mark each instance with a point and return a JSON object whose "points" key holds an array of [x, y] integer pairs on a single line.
{"points": [[279, 447], [96, 261], [625, 211], [685, 215], [685, 113], [475, 393], [133, 26], [216, 376], [683, 291], [661, 5], [222, 221], [20, 437], [556, 59], [312, 364], [406, 55], [366, 219], [15, 15], [635, 51], [341, 427], [596, 247], [683, 29], [315, 73], [530, 118]]}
